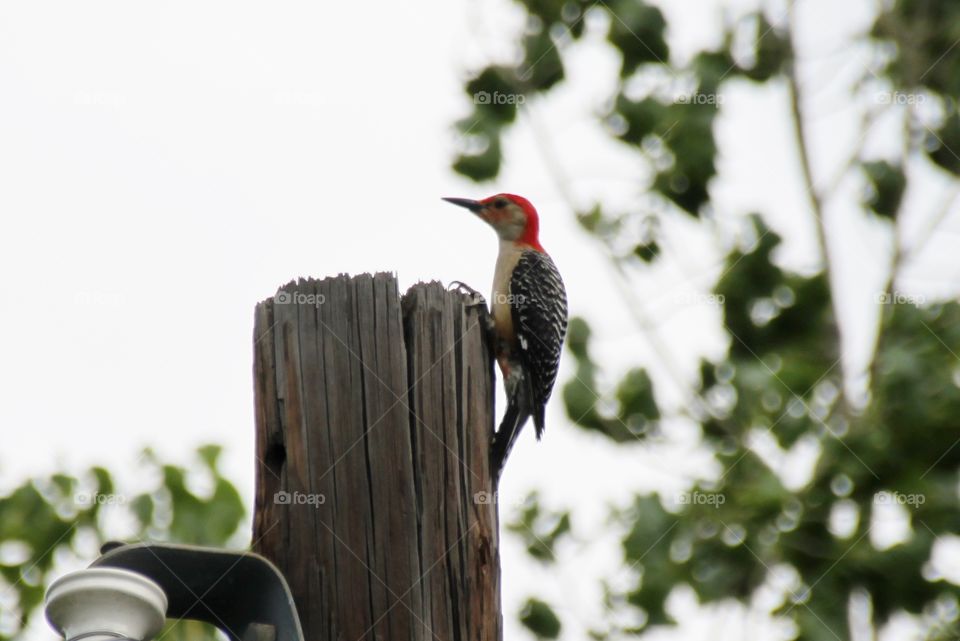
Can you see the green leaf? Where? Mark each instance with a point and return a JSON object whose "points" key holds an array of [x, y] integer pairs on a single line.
{"points": [[540, 530], [104, 480], [481, 160], [635, 396], [578, 337], [712, 68], [65, 484], [643, 118], [888, 182], [772, 51], [647, 546], [210, 454], [591, 220], [539, 618], [647, 252], [689, 135], [495, 92], [143, 509], [637, 31], [543, 67]]}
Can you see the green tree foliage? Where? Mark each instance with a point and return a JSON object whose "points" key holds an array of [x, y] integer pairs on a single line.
{"points": [[782, 377], [59, 517]]}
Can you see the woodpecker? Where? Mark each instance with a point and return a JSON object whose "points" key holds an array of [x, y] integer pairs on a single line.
{"points": [[529, 314]]}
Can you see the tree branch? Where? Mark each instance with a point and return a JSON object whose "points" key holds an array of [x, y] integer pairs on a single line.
{"points": [[816, 200]]}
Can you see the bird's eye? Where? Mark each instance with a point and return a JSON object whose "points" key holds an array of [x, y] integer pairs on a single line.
{"points": [[500, 203]]}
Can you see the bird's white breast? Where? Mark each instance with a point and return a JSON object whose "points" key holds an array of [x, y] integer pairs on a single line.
{"points": [[506, 262]]}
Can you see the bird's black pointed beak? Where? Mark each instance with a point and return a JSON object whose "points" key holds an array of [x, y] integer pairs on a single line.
{"points": [[472, 205]]}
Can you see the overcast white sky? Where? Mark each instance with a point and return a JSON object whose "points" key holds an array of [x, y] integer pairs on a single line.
{"points": [[164, 167]]}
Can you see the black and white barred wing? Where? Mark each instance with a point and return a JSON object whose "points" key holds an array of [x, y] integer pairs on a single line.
{"points": [[539, 306]]}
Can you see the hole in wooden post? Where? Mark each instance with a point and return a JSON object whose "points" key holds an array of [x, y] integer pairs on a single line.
{"points": [[275, 457]]}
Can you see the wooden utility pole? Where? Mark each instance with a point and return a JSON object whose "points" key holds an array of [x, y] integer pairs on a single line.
{"points": [[373, 489]]}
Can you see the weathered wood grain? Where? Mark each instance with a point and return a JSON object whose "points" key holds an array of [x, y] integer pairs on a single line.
{"points": [[374, 416]]}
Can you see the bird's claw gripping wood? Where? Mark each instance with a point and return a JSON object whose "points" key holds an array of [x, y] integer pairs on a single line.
{"points": [[462, 287], [529, 314], [485, 318]]}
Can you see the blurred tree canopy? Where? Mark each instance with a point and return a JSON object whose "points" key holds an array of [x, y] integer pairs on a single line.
{"points": [[782, 380], [47, 523]]}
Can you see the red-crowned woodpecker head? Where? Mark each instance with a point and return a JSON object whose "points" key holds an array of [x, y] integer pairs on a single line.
{"points": [[513, 217]]}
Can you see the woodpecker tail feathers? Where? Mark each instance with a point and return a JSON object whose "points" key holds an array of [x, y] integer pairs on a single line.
{"points": [[538, 420], [519, 409]]}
